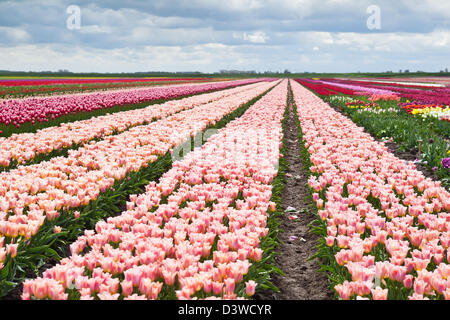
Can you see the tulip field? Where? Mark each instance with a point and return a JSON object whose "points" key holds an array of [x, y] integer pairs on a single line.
{"points": [[16, 113], [20, 88], [124, 190]]}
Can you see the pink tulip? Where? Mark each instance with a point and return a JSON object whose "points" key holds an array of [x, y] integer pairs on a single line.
{"points": [[40, 289], [217, 287], [250, 287], [447, 294], [330, 241], [10, 249], [127, 288], [229, 285], [379, 293], [408, 281], [344, 290]]}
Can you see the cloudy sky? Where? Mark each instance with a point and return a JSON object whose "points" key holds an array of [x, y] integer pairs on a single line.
{"points": [[209, 35]]}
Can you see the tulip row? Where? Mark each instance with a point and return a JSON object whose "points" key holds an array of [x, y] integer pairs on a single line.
{"points": [[19, 111], [425, 111], [410, 83], [428, 135], [324, 89], [421, 95], [32, 196], [424, 95], [386, 227], [431, 81], [359, 90], [24, 148], [384, 97], [195, 234], [46, 90]]}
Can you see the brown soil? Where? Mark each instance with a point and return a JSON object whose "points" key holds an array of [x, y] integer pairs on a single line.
{"points": [[303, 280]]}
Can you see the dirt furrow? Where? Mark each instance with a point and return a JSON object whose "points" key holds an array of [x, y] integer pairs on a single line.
{"points": [[302, 280]]}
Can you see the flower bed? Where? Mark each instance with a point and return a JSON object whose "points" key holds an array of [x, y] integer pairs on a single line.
{"points": [[45, 190], [25, 147], [386, 227], [19, 111], [323, 88], [55, 81], [46, 89], [425, 110], [426, 95], [196, 233]]}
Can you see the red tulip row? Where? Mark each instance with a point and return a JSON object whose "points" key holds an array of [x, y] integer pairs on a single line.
{"points": [[323, 88], [45, 82]]}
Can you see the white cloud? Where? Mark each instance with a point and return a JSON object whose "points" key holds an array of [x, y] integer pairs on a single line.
{"points": [[208, 57], [14, 34], [93, 29], [256, 37], [207, 35]]}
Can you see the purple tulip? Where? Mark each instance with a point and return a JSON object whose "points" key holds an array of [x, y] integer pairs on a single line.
{"points": [[446, 163]]}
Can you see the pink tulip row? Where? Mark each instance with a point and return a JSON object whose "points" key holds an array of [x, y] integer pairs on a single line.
{"points": [[370, 200], [73, 181], [384, 97], [26, 146], [19, 111], [155, 244]]}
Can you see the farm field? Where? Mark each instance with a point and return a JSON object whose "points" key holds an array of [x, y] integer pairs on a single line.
{"points": [[30, 114], [16, 87], [259, 188]]}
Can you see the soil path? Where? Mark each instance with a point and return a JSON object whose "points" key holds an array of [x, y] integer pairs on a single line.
{"points": [[303, 281]]}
